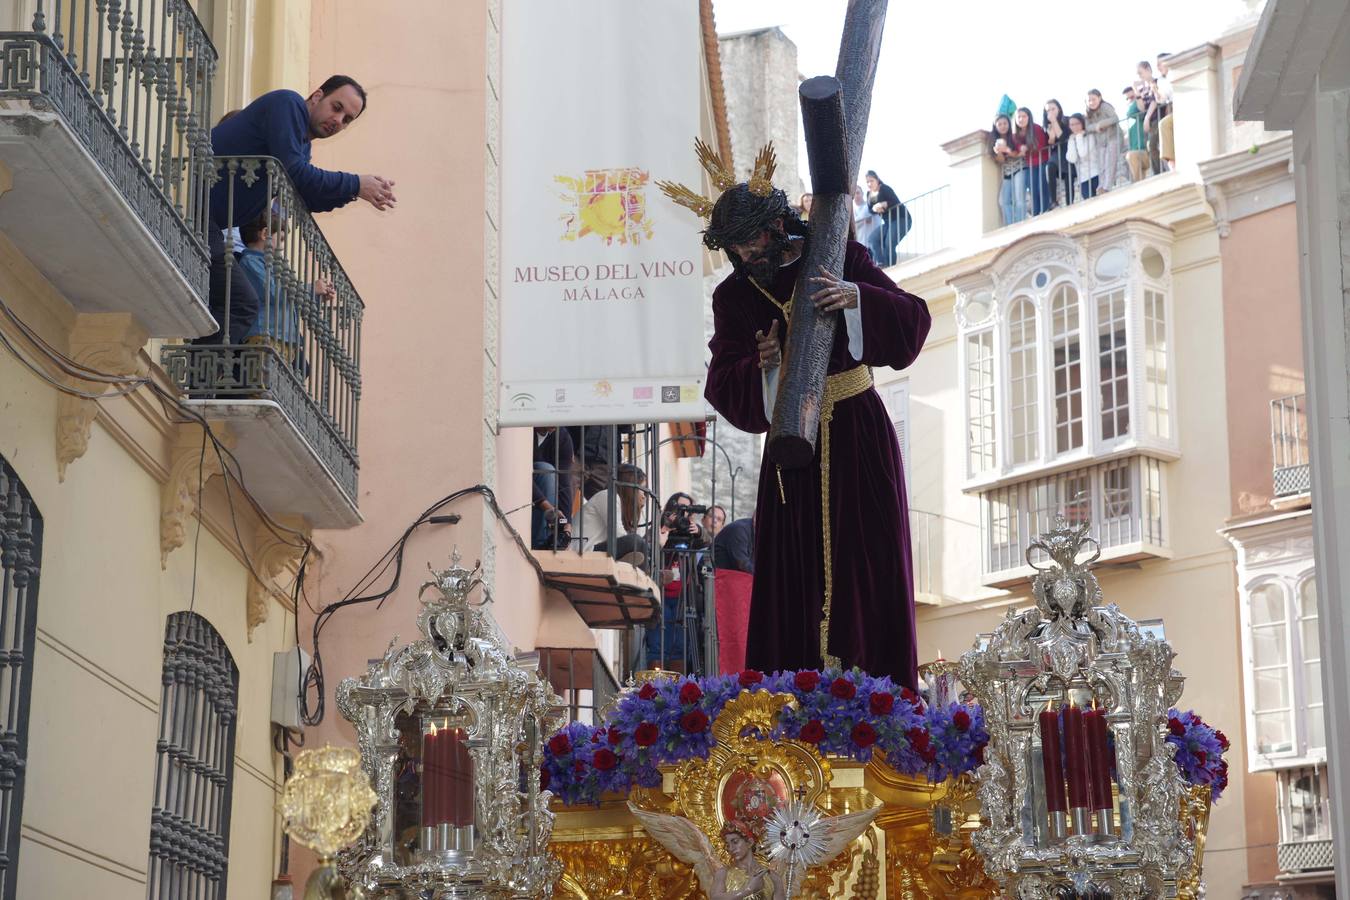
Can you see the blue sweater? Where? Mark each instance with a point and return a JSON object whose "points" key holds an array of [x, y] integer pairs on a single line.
{"points": [[276, 124], [278, 317]]}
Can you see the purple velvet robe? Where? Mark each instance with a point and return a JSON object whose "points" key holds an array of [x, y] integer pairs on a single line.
{"points": [[872, 614]]}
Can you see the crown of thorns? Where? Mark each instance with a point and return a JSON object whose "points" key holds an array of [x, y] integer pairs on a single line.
{"points": [[742, 209]]}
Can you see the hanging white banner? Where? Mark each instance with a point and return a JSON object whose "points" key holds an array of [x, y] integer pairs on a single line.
{"points": [[601, 275]]}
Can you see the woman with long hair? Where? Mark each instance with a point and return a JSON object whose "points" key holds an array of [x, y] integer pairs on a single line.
{"points": [[1057, 167], [1007, 151], [630, 500], [1083, 156], [1036, 153], [1103, 126]]}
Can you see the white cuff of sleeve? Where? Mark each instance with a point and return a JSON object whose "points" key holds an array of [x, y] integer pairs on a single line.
{"points": [[853, 322], [770, 383]]}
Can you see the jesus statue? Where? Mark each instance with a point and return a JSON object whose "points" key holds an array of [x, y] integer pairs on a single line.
{"points": [[833, 570]]}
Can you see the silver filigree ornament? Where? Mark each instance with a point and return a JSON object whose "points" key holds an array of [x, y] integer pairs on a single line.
{"points": [[463, 670], [1073, 646]]}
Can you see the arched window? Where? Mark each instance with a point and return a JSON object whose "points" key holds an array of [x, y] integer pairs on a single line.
{"points": [[1068, 370], [1113, 362], [1023, 386], [194, 765], [20, 559], [1310, 651], [980, 400], [1272, 707]]}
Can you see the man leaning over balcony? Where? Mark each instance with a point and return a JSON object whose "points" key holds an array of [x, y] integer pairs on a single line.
{"points": [[284, 125]]}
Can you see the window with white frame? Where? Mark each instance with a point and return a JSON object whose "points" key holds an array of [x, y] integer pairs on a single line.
{"points": [[1036, 390], [980, 400], [1022, 385], [1284, 671], [897, 405]]}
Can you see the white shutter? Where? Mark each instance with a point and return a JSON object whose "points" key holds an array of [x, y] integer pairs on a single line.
{"points": [[897, 405]]}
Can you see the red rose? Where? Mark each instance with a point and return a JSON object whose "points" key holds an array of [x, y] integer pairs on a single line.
{"points": [[544, 778], [918, 738], [647, 692], [881, 703], [864, 735], [812, 732], [928, 754], [909, 696], [1223, 739], [595, 736], [1200, 757], [1174, 725], [751, 677], [842, 689], [806, 681], [604, 759], [559, 744], [579, 767], [646, 734], [961, 719], [694, 721], [690, 693], [615, 735]]}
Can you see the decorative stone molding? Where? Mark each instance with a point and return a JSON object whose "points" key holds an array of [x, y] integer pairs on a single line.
{"points": [[272, 555], [108, 342], [189, 469]]}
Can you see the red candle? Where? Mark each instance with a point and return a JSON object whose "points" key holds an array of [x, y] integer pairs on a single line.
{"points": [[460, 768], [1075, 746], [1101, 759], [1051, 761]]}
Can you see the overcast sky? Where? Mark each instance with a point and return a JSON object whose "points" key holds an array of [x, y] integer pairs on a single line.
{"points": [[945, 64]]}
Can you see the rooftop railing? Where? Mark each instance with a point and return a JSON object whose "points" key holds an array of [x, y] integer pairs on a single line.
{"points": [[304, 350], [1289, 445], [133, 82]]}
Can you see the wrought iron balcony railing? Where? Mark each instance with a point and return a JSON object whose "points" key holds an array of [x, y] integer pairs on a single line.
{"points": [[1122, 498], [133, 83], [304, 350], [1289, 445]]}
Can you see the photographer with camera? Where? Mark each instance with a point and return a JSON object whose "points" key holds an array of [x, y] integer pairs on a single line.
{"points": [[683, 569]]}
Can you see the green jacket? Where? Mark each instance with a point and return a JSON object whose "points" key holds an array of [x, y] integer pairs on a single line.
{"points": [[1138, 140]]}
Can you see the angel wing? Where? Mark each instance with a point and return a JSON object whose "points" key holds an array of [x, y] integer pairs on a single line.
{"points": [[839, 832], [684, 840]]}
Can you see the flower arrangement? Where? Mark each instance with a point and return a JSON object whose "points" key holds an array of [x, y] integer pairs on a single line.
{"points": [[844, 713], [1199, 750], [956, 740]]}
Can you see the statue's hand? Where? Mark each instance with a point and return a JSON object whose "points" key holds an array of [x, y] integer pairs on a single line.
{"points": [[834, 293]]}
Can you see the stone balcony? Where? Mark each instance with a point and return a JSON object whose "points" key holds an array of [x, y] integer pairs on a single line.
{"points": [[105, 154]]}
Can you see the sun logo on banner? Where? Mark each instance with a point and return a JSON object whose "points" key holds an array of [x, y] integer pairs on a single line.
{"points": [[608, 203]]}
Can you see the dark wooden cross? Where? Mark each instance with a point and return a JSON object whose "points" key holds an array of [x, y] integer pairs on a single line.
{"points": [[834, 120]]}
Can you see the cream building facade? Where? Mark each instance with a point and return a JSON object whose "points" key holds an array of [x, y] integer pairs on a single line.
{"points": [[1117, 361]]}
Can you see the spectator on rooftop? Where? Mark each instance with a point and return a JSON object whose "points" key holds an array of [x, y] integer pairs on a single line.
{"points": [[1136, 153], [1006, 151], [1146, 95], [895, 219], [865, 222], [284, 125], [1103, 127], [554, 461], [1058, 168], [1162, 87], [1036, 153], [1083, 157]]}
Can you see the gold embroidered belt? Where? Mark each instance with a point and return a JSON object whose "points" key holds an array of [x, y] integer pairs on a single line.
{"points": [[838, 387]]}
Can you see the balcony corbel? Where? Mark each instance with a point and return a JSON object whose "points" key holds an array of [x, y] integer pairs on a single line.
{"points": [[193, 462], [274, 552], [109, 343]]}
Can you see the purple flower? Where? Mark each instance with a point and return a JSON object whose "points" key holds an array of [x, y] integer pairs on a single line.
{"points": [[1199, 750]]}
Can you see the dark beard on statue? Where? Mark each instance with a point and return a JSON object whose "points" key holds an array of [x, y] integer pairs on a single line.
{"points": [[766, 267]]}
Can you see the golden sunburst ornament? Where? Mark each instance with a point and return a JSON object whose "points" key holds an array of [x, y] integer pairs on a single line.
{"points": [[722, 177]]}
